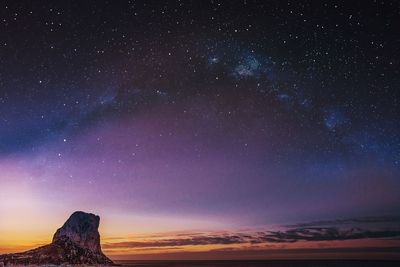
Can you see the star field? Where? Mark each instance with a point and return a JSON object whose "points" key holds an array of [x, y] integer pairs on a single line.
{"points": [[248, 111]]}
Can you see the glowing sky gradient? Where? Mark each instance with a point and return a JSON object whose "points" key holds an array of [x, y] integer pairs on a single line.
{"points": [[211, 119]]}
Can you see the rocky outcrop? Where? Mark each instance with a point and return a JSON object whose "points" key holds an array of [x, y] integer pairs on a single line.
{"points": [[76, 242], [81, 228]]}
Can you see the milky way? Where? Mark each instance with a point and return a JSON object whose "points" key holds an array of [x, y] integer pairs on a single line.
{"points": [[226, 113]]}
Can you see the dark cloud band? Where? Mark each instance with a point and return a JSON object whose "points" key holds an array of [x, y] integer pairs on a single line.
{"points": [[301, 232]]}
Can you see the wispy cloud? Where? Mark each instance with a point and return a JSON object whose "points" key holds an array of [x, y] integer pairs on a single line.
{"points": [[323, 234], [188, 241], [335, 230], [368, 220]]}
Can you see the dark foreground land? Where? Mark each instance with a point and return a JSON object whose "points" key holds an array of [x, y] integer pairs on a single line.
{"points": [[266, 263]]}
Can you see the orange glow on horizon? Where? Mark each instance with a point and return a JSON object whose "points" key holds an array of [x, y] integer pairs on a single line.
{"points": [[30, 220]]}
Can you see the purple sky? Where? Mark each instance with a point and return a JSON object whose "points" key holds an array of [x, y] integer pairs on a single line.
{"points": [[185, 116], [171, 162]]}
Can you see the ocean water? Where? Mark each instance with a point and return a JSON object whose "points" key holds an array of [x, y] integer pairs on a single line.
{"points": [[270, 263]]}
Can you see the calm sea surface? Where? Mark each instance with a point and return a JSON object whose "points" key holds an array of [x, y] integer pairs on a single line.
{"points": [[277, 263]]}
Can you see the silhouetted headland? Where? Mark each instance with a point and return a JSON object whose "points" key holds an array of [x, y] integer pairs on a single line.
{"points": [[76, 242]]}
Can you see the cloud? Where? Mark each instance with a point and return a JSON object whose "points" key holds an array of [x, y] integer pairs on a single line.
{"points": [[323, 234], [370, 219], [189, 241], [312, 231]]}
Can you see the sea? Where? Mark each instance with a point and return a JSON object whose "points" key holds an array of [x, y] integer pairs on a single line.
{"points": [[263, 263]]}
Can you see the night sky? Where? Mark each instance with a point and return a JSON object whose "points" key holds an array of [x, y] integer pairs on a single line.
{"points": [[199, 116]]}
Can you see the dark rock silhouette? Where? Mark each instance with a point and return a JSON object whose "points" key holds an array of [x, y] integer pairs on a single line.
{"points": [[76, 242], [81, 228]]}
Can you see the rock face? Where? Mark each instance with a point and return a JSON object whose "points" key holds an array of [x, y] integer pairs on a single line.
{"points": [[81, 228], [76, 242]]}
